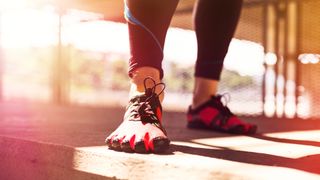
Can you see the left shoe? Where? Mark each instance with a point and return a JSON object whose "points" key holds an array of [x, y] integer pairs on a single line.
{"points": [[141, 130], [216, 116]]}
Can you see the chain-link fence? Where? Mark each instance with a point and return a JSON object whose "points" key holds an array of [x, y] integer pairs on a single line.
{"points": [[309, 40]]}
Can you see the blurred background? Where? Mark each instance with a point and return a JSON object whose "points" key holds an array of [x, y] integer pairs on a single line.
{"points": [[76, 53]]}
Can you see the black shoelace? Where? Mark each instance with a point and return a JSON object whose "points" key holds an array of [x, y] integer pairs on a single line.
{"points": [[224, 110], [142, 106]]}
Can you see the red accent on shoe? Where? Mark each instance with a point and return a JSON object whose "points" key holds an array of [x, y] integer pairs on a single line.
{"points": [[132, 141], [111, 139], [146, 141], [151, 145], [121, 139], [159, 114], [207, 114], [233, 121]]}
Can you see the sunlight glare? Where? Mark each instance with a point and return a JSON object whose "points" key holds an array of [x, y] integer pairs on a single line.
{"points": [[29, 28], [9, 5], [274, 147]]}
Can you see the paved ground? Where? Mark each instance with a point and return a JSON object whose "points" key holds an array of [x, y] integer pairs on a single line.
{"points": [[55, 142]]}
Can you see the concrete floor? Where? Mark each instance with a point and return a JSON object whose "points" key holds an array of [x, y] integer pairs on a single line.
{"points": [[39, 141]]}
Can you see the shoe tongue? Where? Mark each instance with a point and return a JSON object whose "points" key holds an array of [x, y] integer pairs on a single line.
{"points": [[140, 98]]}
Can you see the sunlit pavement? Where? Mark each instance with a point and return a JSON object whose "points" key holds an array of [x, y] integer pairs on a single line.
{"points": [[63, 142]]}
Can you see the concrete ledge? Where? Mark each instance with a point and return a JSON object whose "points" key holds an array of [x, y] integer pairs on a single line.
{"points": [[67, 143], [22, 159]]}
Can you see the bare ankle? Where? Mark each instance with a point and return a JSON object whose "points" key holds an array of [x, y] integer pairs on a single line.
{"points": [[203, 90], [198, 100]]}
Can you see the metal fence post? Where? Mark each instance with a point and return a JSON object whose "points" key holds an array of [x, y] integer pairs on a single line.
{"points": [[57, 71], [270, 44]]}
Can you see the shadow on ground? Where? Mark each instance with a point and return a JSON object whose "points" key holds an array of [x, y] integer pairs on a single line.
{"points": [[88, 126]]}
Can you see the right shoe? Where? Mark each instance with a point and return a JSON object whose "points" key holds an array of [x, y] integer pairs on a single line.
{"points": [[141, 130], [215, 116]]}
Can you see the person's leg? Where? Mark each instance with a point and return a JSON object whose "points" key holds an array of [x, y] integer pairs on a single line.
{"points": [[148, 24], [215, 23], [141, 130]]}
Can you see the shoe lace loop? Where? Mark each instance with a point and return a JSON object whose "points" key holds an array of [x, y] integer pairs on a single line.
{"points": [[224, 99], [143, 110]]}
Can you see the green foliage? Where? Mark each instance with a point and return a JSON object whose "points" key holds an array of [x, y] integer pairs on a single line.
{"points": [[232, 80], [179, 78], [87, 71], [120, 80]]}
